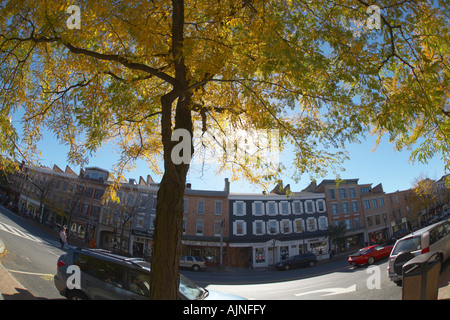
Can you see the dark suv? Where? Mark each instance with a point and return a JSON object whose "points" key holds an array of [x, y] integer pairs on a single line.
{"points": [[301, 260], [107, 276]]}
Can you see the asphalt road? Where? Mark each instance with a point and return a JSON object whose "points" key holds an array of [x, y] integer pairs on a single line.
{"points": [[32, 255], [327, 281]]}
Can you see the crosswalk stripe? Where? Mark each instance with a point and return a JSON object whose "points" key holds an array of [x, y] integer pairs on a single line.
{"points": [[17, 232]]}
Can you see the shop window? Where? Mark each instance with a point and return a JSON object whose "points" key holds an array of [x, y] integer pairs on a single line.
{"points": [[284, 252], [260, 255]]}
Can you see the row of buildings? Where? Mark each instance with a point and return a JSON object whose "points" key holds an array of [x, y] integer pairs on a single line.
{"points": [[223, 227]]}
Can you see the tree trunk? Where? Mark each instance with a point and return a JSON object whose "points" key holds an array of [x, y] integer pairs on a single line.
{"points": [[166, 249], [167, 239]]}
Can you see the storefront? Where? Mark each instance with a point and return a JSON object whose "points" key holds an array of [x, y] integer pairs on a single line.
{"points": [[273, 251], [378, 237], [141, 243]]}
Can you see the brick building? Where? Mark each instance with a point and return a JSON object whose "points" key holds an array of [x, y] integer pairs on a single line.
{"points": [[345, 206], [205, 224], [376, 213]]}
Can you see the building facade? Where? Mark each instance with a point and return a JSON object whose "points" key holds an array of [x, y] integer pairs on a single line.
{"points": [[205, 224], [343, 200], [376, 209], [268, 228]]}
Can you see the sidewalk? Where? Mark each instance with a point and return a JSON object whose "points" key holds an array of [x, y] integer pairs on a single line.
{"points": [[10, 288]]}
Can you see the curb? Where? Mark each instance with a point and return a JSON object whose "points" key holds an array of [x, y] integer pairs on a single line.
{"points": [[2, 246], [2, 249]]}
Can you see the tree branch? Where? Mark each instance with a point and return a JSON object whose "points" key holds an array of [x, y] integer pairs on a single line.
{"points": [[100, 56]]}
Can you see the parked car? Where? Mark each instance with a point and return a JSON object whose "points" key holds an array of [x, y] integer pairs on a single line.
{"points": [[433, 238], [194, 263], [301, 260], [369, 255], [107, 276], [444, 215]]}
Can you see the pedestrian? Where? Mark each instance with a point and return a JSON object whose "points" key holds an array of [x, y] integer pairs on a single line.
{"points": [[63, 237], [250, 263]]}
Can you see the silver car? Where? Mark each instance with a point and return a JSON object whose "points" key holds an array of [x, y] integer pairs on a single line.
{"points": [[191, 262], [433, 238]]}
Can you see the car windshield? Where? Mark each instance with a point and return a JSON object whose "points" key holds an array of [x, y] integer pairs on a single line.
{"points": [[408, 244], [190, 290], [361, 252]]}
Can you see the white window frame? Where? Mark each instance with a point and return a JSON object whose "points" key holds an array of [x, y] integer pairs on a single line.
{"points": [[275, 208], [202, 222], [254, 208], [263, 227], [324, 223], [277, 227], [302, 223], [313, 206], [185, 205], [300, 205], [289, 225], [288, 208], [324, 205], [356, 205], [235, 205], [198, 206], [244, 227], [216, 202], [140, 217], [314, 228]]}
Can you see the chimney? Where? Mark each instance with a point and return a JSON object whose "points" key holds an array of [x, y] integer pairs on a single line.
{"points": [[227, 185]]}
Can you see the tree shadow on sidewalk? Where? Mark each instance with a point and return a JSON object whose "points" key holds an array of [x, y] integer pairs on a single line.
{"points": [[21, 294]]}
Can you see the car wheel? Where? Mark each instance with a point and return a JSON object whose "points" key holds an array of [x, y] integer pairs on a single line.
{"points": [[287, 267], [400, 260], [312, 263], [76, 295], [195, 267], [370, 261]]}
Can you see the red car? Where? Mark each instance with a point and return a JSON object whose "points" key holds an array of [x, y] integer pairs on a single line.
{"points": [[368, 255]]}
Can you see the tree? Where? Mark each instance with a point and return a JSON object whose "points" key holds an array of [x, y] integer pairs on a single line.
{"points": [[425, 195], [149, 74], [336, 233]]}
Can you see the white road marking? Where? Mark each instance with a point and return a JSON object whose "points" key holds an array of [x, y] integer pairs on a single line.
{"points": [[17, 232]]}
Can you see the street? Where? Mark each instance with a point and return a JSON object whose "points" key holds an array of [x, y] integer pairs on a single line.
{"points": [[32, 255], [327, 281]]}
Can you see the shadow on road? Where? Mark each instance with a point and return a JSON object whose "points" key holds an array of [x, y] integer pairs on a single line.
{"points": [[242, 276]]}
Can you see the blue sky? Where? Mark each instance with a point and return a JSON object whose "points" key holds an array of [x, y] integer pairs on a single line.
{"points": [[384, 165]]}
